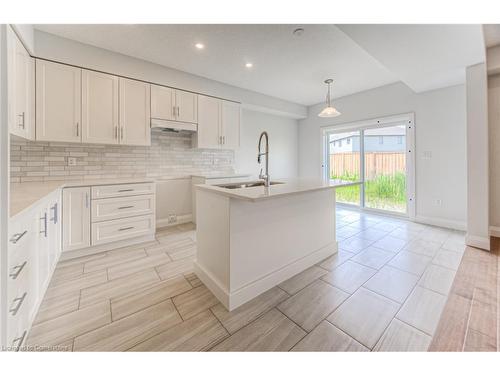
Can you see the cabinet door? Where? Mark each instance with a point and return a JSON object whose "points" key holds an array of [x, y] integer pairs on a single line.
{"points": [[186, 106], [76, 218], [208, 122], [54, 232], [162, 103], [21, 89], [99, 108], [230, 125], [58, 102], [135, 116]]}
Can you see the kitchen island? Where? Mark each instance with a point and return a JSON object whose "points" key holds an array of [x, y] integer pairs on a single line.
{"points": [[251, 238]]}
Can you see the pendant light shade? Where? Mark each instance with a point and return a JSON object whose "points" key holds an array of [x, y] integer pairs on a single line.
{"points": [[329, 110]]}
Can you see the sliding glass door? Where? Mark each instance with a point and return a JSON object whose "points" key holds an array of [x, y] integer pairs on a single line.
{"points": [[385, 168], [345, 164], [378, 157]]}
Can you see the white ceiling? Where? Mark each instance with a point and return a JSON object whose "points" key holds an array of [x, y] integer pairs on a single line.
{"points": [[357, 57], [425, 57]]}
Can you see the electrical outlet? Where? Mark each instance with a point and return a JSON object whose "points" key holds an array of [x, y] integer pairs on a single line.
{"points": [[72, 161], [439, 202], [172, 219]]}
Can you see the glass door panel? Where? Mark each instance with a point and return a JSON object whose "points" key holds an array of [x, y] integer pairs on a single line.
{"points": [[344, 163], [385, 168]]}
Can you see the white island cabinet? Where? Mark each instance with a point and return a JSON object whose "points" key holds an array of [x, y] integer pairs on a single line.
{"points": [[251, 239]]}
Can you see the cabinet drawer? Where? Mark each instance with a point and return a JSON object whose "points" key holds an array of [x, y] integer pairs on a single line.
{"points": [[111, 191], [120, 229], [122, 207]]}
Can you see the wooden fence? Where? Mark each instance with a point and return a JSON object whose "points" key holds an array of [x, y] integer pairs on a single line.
{"points": [[376, 164]]}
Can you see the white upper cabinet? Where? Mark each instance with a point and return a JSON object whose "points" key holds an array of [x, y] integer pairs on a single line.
{"points": [[230, 125], [99, 108], [58, 102], [208, 135], [218, 123], [173, 105], [135, 113], [21, 83], [186, 106], [162, 103]]}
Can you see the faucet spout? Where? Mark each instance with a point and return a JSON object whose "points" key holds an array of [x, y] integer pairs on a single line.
{"points": [[265, 176]]}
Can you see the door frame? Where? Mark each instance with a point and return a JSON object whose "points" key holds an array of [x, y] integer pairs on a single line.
{"points": [[378, 122]]}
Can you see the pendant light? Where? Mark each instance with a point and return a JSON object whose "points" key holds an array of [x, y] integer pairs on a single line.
{"points": [[329, 111]]}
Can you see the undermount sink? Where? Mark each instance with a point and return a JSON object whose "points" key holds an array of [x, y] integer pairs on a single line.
{"points": [[241, 185]]}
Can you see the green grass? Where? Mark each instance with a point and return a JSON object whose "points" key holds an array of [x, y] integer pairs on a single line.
{"points": [[386, 192]]}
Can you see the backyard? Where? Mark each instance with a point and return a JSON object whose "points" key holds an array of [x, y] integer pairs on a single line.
{"points": [[387, 192]]}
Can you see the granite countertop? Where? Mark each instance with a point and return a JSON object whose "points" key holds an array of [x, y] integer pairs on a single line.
{"points": [[25, 194], [286, 187]]}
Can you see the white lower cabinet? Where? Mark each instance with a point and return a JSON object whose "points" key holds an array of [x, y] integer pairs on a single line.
{"points": [[34, 249], [76, 216], [98, 215]]}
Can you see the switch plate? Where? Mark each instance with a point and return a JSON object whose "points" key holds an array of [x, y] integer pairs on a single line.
{"points": [[72, 161]]}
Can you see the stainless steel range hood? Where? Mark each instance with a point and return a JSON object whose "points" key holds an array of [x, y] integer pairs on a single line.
{"points": [[174, 126]]}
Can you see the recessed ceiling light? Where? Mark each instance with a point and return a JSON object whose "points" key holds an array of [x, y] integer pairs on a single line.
{"points": [[248, 65], [199, 45]]}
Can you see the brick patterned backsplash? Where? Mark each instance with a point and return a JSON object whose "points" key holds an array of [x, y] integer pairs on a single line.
{"points": [[170, 154]]}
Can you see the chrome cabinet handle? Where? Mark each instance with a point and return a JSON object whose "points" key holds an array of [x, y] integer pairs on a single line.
{"points": [[174, 111], [77, 129], [126, 228], [16, 270], [44, 218], [18, 302], [19, 339], [124, 190], [21, 125], [116, 132], [125, 207], [16, 237], [121, 132], [223, 139], [54, 218], [178, 111]]}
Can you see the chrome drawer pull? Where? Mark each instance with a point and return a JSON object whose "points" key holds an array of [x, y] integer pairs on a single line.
{"points": [[44, 218], [124, 207], [16, 270], [124, 190], [127, 228], [54, 218], [19, 301], [16, 237], [20, 340]]}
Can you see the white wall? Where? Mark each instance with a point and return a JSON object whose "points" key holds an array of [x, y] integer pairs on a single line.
{"points": [[440, 119], [477, 157], [283, 144], [494, 152], [52, 47]]}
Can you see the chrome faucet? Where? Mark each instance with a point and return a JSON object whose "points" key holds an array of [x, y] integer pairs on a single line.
{"points": [[264, 177]]}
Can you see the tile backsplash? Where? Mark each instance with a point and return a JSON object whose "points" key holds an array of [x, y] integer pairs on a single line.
{"points": [[170, 154]]}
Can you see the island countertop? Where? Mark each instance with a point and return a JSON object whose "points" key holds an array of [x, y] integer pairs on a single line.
{"points": [[282, 187]]}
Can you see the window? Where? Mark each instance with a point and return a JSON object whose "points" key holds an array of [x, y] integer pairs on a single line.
{"points": [[381, 140], [400, 139], [348, 141]]}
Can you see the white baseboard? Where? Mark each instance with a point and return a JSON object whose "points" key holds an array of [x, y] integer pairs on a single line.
{"points": [[232, 300], [445, 223], [181, 219], [477, 241]]}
